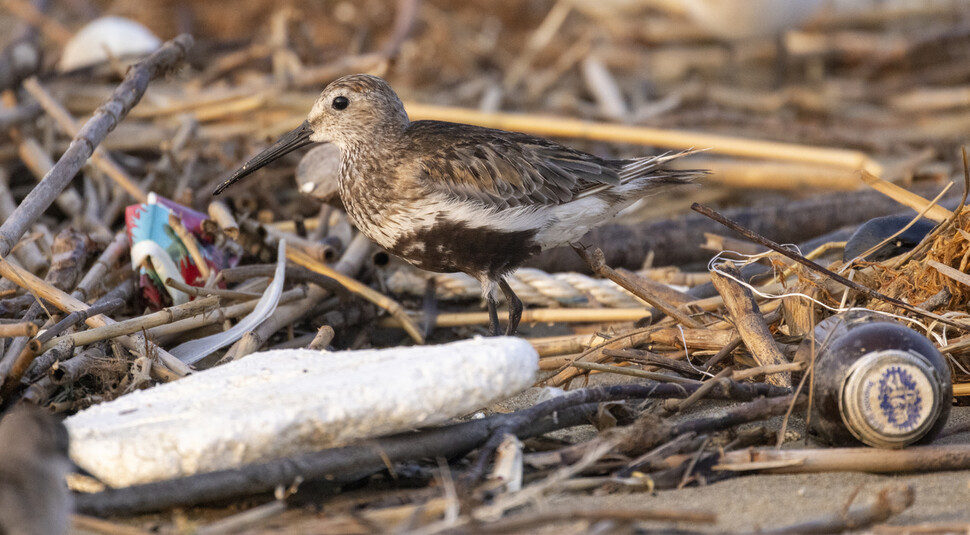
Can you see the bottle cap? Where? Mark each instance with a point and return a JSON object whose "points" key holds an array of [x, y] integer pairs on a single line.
{"points": [[890, 398]]}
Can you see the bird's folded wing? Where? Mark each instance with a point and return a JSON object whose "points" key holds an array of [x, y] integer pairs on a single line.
{"points": [[506, 169]]}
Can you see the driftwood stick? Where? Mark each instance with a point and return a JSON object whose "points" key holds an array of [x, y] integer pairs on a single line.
{"points": [[26, 356], [42, 363], [674, 241], [293, 274], [101, 307], [72, 369], [819, 269], [749, 321], [676, 405], [597, 263], [202, 292], [91, 134], [648, 358], [633, 372], [722, 353], [95, 275]]}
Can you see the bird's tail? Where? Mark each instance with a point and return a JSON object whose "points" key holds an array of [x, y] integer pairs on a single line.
{"points": [[641, 175], [654, 170]]}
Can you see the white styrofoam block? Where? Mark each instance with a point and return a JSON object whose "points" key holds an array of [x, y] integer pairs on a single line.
{"points": [[287, 402]]}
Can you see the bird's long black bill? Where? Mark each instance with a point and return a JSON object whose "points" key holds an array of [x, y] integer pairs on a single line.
{"points": [[288, 142]]}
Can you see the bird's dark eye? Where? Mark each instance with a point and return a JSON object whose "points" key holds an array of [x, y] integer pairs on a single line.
{"points": [[340, 103]]}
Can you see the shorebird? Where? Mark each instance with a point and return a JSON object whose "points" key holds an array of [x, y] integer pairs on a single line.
{"points": [[34, 499], [451, 197]]}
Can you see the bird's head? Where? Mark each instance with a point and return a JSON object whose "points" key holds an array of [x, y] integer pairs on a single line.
{"points": [[355, 109]]}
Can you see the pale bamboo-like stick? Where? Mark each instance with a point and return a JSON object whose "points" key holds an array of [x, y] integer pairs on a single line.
{"points": [[560, 345], [906, 198], [950, 272], [9, 330], [222, 215], [537, 315], [872, 460], [67, 303], [673, 139], [960, 389], [926, 99], [322, 339], [218, 316], [90, 135], [133, 325], [70, 126], [557, 362], [353, 285], [777, 175]]}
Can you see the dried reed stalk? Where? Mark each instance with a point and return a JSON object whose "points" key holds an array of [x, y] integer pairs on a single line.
{"points": [[674, 139]]}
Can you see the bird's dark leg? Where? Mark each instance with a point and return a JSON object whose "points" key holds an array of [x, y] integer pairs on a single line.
{"points": [[492, 315], [515, 307]]}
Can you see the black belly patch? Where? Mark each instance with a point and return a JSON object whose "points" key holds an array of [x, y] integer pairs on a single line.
{"points": [[449, 246]]}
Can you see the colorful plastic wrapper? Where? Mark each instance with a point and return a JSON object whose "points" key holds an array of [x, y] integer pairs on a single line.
{"points": [[158, 253]]}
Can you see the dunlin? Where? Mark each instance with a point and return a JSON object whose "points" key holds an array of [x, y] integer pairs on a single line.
{"points": [[452, 197], [34, 499]]}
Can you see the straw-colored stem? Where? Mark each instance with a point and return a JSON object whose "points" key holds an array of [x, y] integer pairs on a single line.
{"points": [[10, 330], [538, 315], [220, 213], [219, 315], [353, 285], [673, 139], [907, 198], [107, 332], [67, 303]]}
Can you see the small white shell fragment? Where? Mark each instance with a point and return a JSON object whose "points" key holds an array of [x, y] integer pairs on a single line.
{"points": [[287, 402], [117, 36]]}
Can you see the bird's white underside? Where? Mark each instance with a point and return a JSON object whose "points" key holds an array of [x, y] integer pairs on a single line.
{"points": [[555, 225]]}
